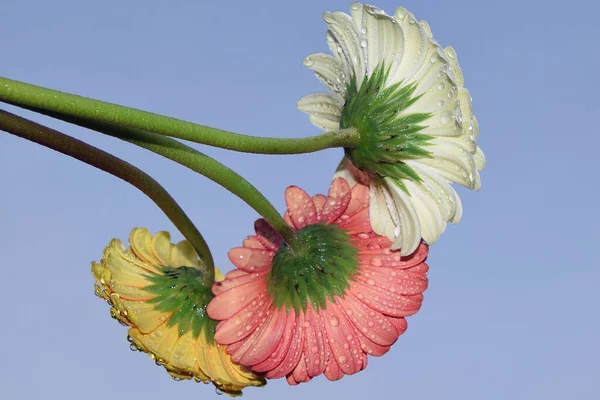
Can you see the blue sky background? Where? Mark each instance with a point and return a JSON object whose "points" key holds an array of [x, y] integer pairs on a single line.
{"points": [[512, 308]]}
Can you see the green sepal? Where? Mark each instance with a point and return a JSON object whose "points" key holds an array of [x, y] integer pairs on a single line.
{"points": [[184, 292], [388, 137], [318, 268]]}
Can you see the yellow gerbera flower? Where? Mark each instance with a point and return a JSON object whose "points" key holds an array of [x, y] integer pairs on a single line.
{"points": [[158, 289]]}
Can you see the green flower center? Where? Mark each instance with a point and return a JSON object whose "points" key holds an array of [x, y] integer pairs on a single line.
{"points": [[319, 267], [388, 136], [183, 292]]}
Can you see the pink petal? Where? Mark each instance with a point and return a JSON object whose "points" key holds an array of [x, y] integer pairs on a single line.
{"points": [[267, 235], [417, 257], [344, 343], [230, 282], [399, 323], [300, 206], [332, 370], [300, 372], [263, 341], [371, 348], [290, 380], [283, 347], [294, 353], [231, 301], [319, 201], [252, 242], [369, 322], [337, 201], [244, 322], [385, 302], [359, 199], [420, 269], [371, 241], [234, 273], [357, 223], [389, 258], [288, 219], [233, 347], [393, 280], [314, 352], [251, 260]]}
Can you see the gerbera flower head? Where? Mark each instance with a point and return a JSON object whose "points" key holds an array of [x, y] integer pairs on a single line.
{"points": [[322, 305], [392, 82], [159, 290]]}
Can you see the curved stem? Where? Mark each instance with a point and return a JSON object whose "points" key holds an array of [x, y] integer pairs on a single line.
{"points": [[194, 160], [104, 161], [30, 96]]}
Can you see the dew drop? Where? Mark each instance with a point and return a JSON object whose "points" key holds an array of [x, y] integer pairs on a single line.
{"points": [[334, 321], [376, 262], [363, 43], [371, 282], [343, 359], [441, 86], [308, 62], [445, 118], [459, 115]]}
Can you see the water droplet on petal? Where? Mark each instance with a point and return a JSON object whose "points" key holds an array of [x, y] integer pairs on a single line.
{"points": [[334, 321], [343, 359], [308, 62], [363, 43], [445, 118]]}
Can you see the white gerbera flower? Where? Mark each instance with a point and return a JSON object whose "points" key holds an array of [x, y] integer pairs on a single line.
{"points": [[393, 83]]}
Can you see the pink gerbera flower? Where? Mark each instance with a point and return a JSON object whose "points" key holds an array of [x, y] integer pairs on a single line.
{"points": [[321, 306]]}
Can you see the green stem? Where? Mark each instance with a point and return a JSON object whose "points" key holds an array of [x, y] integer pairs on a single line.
{"points": [[30, 96], [104, 161], [196, 161]]}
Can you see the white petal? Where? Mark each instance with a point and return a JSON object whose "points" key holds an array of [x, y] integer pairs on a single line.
{"points": [[479, 159], [429, 216], [459, 209], [410, 228], [346, 42], [441, 191], [415, 46], [381, 37], [324, 110], [382, 212], [326, 123], [455, 70], [329, 71], [320, 104], [452, 161]]}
